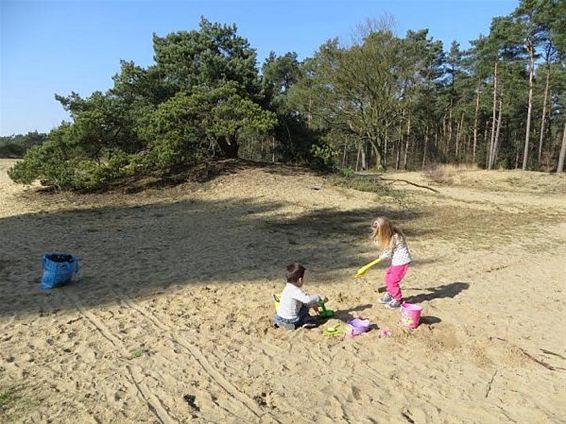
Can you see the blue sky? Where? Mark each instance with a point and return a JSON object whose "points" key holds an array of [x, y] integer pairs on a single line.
{"points": [[49, 47]]}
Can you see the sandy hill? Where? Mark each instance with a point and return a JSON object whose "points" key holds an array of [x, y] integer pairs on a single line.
{"points": [[170, 320]]}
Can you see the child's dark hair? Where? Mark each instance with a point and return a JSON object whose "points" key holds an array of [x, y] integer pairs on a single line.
{"points": [[294, 272]]}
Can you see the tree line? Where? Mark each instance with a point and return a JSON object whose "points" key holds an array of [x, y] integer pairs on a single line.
{"points": [[381, 101], [16, 145]]}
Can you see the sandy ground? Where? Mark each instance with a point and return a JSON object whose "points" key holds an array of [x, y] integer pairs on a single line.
{"points": [[170, 320]]}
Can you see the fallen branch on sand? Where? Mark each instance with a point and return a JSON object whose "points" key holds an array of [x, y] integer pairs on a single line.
{"points": [[378, 176], [396, 180]]}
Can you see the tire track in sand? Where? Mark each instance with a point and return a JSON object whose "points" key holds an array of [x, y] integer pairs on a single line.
{"points": [[196, 353], [134, 377]]}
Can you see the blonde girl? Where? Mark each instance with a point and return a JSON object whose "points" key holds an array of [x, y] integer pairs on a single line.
{"points": [[393, 245]]}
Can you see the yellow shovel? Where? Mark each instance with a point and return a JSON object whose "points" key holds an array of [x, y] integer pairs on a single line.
{"points": [[363, 270]]}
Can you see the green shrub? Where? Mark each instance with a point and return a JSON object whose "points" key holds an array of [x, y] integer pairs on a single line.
{"points": [[324, 157], [346, 172], [369, 183], [61, 164]]}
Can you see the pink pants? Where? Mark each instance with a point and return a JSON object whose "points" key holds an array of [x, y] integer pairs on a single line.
{"points": [[393, 276]]}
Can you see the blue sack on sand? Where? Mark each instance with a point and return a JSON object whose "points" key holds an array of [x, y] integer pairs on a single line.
{"points": [[58, 269]]}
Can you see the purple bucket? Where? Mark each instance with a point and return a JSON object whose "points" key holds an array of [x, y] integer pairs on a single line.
{"points": [[359, 326]]}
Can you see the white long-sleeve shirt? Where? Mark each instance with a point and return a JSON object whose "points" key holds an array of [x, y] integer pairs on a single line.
{"points": [[292, 298], [398, 251]]}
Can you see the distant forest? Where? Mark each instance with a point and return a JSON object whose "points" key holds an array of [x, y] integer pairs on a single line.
{"points": [[15, 146], [379, 102]]}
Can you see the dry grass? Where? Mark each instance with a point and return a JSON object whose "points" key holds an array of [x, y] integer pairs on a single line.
{"points": [[473, 223], [446, 174], [15, 402], [497, 181], [371, 184], [473, 229], [460, 167], [439, 174]]}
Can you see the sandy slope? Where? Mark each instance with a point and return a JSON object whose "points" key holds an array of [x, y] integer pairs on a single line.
{"points": [[170, 321]]}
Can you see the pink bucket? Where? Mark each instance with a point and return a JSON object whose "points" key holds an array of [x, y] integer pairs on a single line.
{"points": [[410, 315]]}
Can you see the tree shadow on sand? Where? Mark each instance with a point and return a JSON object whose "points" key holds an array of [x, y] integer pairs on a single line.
{"points": [[146, 249], [346, 314], [441, 292]]}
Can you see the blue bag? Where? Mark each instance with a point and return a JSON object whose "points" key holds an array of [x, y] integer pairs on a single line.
{"points": [[58, 269]]}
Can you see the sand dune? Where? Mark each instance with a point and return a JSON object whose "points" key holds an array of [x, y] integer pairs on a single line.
{"points": [[170, 320]]}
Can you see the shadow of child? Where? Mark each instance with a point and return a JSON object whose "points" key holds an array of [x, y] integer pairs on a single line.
{"points": [[346, 314]]}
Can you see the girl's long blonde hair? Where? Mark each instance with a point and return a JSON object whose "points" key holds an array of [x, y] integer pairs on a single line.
{"points": [[383, 231]]}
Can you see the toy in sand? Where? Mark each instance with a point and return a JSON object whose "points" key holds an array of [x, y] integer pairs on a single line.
{"points": [[410, 315], [359, 326], [276, 300], [325, 313], [363, 270], [338, 329]]}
